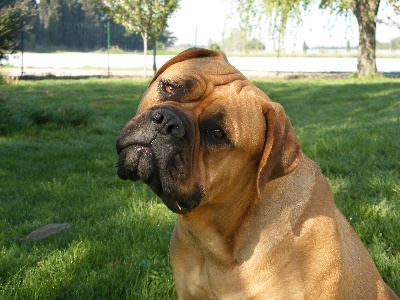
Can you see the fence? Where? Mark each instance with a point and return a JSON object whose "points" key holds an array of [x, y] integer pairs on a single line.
{"points": [[80, 64], [98, 64], [38, 47], [107, 50]]}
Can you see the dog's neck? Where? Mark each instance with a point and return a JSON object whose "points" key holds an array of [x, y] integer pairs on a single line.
{"points": [[215, 226], [229, 231]]}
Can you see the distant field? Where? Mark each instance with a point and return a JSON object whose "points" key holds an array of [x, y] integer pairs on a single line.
{"points": [[128, 64], [57, 146]]}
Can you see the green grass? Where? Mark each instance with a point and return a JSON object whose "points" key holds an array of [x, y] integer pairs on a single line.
{"points": [[57, 146]]}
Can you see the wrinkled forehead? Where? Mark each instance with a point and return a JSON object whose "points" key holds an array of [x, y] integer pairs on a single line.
{"points": [[193, 80], [213, 68], [211, 88]]}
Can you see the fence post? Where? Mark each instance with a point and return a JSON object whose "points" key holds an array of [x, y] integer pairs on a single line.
{"points": [[22, 47], [279, 52], [108, 46]]}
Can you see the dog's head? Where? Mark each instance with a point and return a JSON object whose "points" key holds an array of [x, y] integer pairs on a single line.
{"points": [[202, 125]]}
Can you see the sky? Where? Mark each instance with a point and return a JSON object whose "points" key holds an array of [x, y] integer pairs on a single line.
{"points": [[198, 22]]}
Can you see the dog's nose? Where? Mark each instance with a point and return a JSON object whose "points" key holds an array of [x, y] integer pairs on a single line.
{"points": [[168, 122]]}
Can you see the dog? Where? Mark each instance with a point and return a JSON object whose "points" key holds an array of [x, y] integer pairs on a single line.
{"points": [[256, 217]]}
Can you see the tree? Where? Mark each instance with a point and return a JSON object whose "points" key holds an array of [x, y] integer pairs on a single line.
{"points": [[167, 39], [389, 20], [348, 47], [78, 25], [236, 42], [255, 44], [305, 47], [12, 14], [365, 12], [213, 45], [10, 24], [395, 44], [145, 17]]}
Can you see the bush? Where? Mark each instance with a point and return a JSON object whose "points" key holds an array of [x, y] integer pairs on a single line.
{"points": [[16, 117], [66, 116], [12, 118], [4, 78]]}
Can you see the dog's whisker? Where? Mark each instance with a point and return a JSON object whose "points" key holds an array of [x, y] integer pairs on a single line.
{"points": [[177, 204]]}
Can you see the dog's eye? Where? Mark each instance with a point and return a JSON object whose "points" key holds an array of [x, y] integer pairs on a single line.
{"points": [[217, 133], [168, 88], [213, 132], [216, 137]]}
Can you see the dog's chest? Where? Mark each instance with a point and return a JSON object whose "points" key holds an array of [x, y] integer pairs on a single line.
{"points": [[210, 282]]}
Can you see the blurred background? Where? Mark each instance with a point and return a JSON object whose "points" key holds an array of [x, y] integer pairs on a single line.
{"points": [[79, 38]]}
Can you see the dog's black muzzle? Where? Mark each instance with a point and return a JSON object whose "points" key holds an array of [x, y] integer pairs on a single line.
{"points": [[155, 147]]}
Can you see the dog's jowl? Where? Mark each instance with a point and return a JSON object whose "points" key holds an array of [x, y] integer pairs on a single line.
{"points": [[255, 216]]}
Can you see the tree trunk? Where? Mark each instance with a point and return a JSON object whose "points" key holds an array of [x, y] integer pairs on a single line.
{"points": [[365, 12], [144, 36], [154, 55]]}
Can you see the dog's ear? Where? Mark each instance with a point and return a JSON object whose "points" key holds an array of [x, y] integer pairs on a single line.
{"points": [[189, 54], [282, 152]]}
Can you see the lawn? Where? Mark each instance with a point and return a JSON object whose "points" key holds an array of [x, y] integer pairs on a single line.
{"points": [[57, 143]]}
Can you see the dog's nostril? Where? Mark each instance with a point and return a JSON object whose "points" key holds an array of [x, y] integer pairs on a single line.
{"points": [[168, 123], [171, 127], [158, 117]]}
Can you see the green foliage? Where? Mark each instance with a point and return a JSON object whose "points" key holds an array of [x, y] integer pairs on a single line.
{"points": [[148, 18], [395, 44], [55, 23], [145, 17], [280, 12], [305, 47], [395, 4], [4, 78], [214, 45], [118, 245], [10, 25], [70, 115], [255, 44], [64, 25], [166, 40], [348, 47], [236, 42], [16, 19], [78, 25], [18, 117]]}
